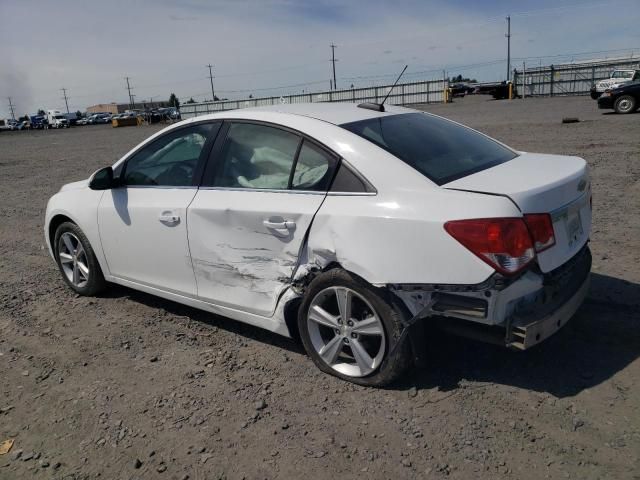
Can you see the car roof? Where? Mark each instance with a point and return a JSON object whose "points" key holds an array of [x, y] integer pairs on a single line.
{"points": [[335, 113]]}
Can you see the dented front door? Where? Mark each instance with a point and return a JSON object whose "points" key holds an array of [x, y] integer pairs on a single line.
{"points": [[245, 244]]}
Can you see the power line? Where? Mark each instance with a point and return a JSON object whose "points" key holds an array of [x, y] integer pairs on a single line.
{"points": [[66, 102], [333, 61], [213, 95]]}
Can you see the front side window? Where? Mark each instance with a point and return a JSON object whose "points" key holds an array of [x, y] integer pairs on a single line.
{"points": [[170, 160], [441, 150], [257, 157]]}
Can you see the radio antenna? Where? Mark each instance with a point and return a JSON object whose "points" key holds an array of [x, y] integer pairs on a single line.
{"points": [[379, 107], [394, 85]]}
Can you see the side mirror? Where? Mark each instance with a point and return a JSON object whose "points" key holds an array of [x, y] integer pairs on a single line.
{"points": [[102, 179]]}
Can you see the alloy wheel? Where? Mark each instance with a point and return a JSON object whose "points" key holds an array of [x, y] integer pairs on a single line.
{"points": [[73, 259], [346, 332]]}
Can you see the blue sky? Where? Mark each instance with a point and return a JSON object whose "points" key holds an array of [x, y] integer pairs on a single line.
{"points": [[273, 47]]}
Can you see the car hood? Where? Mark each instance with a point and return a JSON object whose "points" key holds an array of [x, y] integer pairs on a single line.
{"points": [[75, 185]]}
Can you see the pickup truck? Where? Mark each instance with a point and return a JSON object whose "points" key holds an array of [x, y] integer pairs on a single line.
{"points": [[617, 78]]}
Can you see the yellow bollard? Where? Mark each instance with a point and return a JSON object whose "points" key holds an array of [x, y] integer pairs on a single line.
{"points": [[510, 91]]}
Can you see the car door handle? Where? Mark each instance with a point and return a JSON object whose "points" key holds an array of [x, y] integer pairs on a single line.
{"points": [[169, 218], [288, 224], [282, 228]]}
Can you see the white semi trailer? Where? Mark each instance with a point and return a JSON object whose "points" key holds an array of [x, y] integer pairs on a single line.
{"points": [[57, 119]]}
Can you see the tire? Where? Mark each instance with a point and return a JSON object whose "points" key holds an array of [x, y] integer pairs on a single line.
{"points": [[79, 266], [379, 337], [625, 104]]}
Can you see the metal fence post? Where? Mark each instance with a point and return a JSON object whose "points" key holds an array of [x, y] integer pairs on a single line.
{"points": [[551, 85]]}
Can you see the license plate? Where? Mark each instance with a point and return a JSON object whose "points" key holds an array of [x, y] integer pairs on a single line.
{"points": [[574, 228]]}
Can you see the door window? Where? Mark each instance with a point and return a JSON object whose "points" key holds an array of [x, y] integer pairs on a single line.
{"points": [[313, 169], [170, 160], [256, 157]]}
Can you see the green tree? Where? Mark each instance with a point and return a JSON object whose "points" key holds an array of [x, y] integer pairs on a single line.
{"points": [[78, 114], [41, 112], [173, 101], [191, 100]]}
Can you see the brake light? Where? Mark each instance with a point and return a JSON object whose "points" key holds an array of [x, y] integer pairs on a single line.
{"points": [[541, 229], [504, 243]]}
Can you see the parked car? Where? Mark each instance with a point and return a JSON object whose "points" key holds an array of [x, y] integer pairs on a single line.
{"points": [[623, 99], [99, 118], [351, 226], [617, 78], [460, 89]]}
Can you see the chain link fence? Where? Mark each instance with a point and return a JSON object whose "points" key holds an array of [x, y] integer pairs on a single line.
{"points": [[568, 79], [430, 91]]}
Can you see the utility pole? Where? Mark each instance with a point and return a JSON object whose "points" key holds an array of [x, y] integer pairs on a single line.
{"points": [[508, 35], [133, 101], [13, 115], [129, 90], [66, 99], [213, 95], [333, 61]]}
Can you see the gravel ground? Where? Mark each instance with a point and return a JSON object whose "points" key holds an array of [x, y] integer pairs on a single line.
{"points": [[130, 386]]}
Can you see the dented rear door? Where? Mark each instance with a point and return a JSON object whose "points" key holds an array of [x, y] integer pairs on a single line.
{"points": [[244, 244], [261, 190]]}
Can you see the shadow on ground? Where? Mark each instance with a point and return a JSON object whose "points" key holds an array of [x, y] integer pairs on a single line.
{"points": [[601, 340]]}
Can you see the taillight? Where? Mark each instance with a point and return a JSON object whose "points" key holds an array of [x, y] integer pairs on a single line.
{"points": [[504, 243], [541, 229]]}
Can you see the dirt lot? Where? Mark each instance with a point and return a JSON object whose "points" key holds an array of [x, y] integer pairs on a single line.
{"points": [[130, 386]]}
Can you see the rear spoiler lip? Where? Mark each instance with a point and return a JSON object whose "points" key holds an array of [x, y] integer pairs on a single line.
{"points": [[487, 193]]}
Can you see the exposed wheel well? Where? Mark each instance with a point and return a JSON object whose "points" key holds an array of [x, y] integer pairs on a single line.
{"points": [[55, 222]]}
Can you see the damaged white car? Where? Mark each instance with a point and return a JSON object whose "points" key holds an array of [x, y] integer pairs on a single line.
{"points": [[350, 226]]}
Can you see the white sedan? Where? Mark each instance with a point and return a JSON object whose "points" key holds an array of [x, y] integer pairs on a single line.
{"points": [[349, 226]]}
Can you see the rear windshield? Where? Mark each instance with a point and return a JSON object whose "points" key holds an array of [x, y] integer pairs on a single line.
{"points": [[441, 150]]}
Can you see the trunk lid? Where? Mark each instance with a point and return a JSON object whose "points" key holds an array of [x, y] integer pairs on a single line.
{"points": [[541, 183]]}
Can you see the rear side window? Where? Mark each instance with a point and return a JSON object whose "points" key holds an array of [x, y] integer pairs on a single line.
{"points": [[313, 169], [441, 150]]}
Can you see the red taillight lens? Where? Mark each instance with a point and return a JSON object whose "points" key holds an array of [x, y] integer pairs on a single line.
{"points": [[541, 230], [504, 243]]}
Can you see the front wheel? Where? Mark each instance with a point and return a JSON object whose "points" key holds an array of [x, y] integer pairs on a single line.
{"points": [[625, 104], [77, 261], [352, 330]]}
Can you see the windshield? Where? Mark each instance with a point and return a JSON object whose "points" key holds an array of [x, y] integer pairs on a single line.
{"points": [[60, 117], [622, 74], [441, 150]]}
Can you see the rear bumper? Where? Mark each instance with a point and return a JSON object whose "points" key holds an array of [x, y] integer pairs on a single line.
{"points": [[518, 314], [524, 333]]}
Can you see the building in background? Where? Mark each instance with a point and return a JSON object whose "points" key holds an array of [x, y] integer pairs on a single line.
{"points": [[114, 108]]}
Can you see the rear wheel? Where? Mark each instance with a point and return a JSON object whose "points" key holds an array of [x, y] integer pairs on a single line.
{"points": [[351, 330], [77, 261], [625, 104]]}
